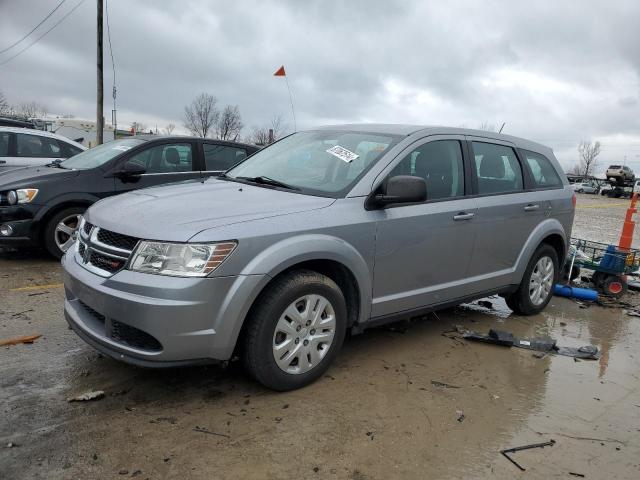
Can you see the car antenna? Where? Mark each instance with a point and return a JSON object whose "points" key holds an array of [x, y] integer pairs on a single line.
{"points": [[503, 123]]}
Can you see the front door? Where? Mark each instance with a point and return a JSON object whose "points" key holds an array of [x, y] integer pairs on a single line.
{"points": [[423, 250], [163, 163]]}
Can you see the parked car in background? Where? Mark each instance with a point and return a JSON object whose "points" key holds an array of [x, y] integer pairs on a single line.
{"points": [[43, 205], [585, 187], [621, 173], [13, 122], [24, 147], [324, 231]]}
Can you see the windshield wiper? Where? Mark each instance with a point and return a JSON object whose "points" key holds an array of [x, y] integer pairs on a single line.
{"points": [[263, 180]]}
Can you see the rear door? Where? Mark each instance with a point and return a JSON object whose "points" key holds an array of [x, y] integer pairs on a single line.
{"points": [[166, 162], [507, 212], [220, 157]]}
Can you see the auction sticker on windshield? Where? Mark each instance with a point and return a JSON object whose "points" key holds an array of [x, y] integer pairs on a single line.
{"points": [[342, 153]]}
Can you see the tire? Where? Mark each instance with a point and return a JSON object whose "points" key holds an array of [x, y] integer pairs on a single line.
{"points": [[521, 301], [613, 286], [53, 236], [271, 332], [580, 190]]}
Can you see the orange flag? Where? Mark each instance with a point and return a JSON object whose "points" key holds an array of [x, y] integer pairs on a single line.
{"points": [[280, 72]]}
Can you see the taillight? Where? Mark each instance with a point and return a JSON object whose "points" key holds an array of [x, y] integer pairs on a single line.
{"points": [[574, 200]]}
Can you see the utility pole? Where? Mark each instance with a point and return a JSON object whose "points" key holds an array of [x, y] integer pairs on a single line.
{"points": [[100, 98]]}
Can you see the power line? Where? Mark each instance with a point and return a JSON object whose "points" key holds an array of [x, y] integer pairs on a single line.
{"points": [[43, 35], [34, 28], [114, 120]]}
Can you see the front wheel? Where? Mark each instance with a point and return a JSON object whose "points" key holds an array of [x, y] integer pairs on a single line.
{"points": [[295, 330], [536, 288], [60, 229]]}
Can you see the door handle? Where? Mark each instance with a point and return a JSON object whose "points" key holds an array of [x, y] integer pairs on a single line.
{"points": [[463, 216], [531, 207], [3, 161]]}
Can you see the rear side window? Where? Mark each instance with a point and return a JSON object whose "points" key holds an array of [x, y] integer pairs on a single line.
{"points": [[36, 146], [4, 144], [542, 171], [222, 157], [497, 169], [440, 164]]}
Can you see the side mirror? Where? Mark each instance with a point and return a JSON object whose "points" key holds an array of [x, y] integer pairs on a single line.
{"points": [[403, 189], [130, 170]]}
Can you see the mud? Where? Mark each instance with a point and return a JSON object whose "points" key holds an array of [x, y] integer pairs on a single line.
{"points": [[406, 402]]}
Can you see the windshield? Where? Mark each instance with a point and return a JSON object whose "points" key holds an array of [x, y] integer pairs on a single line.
{"points": [[326, 163], [98, 156]]}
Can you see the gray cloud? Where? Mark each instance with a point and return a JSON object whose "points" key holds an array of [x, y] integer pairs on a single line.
{"points": [[556, 72]]}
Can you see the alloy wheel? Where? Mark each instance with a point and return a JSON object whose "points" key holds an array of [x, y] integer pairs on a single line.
{"points": [[541, 280], [65, 230]]}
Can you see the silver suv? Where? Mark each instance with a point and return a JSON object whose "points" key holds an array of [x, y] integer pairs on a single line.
{"points": [[326, 231]]}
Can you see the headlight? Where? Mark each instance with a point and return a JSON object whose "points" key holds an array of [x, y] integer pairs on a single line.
{"points": [[22, 195], [180, 259]]}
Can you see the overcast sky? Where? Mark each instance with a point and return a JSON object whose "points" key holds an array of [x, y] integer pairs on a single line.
{"points": [[555, 72]]}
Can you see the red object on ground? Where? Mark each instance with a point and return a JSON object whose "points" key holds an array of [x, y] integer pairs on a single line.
{"points": [[626, 238], [280, 72]]}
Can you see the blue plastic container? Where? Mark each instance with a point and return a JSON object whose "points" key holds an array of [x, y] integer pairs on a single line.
{"points": [[575, 292]]}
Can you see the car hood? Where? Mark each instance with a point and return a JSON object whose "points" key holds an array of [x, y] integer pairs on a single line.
{"points": [[180, 211], [27, 177]]}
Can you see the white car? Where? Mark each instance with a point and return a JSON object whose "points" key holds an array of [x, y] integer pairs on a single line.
{"points": [[585, 187], [25, 147]]}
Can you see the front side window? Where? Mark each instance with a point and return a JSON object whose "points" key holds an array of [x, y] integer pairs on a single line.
{"points": [[171, 158], [36, 146], [544, 175], [98, 156], [222, 157], [440, 164], [497, 169], [326, 163]]}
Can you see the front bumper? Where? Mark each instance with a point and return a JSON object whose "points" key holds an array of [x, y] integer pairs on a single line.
{"points": [[155, 320], [21, 221]]}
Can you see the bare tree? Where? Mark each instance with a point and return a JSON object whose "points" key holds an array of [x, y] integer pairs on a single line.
{"points": [[229, 124], [262, 135], [168, 130], [5, 108], [588, 157], [32, 109], [201, 115], [486, 126]]}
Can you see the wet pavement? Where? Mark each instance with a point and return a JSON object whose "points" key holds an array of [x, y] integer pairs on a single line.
{"points": [[401, 402]]}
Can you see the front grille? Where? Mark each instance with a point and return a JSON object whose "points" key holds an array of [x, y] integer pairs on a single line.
{"points": [[102, 251], [117, 240], [93, 313], [123, 333], [133, 337], [103, 262]]}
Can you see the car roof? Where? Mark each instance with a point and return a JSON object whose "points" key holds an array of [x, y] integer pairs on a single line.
{"points": [[401, 129], [41, 133], [153, 137]]}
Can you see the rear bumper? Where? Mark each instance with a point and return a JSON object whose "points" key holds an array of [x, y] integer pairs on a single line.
{"points": [[155, 320]]}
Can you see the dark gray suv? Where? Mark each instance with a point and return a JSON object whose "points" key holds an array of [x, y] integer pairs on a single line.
{"points": [[330, 230]]}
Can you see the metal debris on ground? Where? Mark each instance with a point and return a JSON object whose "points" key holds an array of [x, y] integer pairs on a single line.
{"points": [[209, 432], [507, 339], [461, 416], [87, 397], [436, 383], [18, 340], [507, 451]]}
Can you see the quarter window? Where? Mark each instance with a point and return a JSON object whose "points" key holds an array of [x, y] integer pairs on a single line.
{"points": [[544, 175], [36, 146], [172, 158], [497, 169], [222, 157], [440, 164]]}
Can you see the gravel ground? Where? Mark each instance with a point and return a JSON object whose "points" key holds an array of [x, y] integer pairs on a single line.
{"points": [[405, 402]]}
